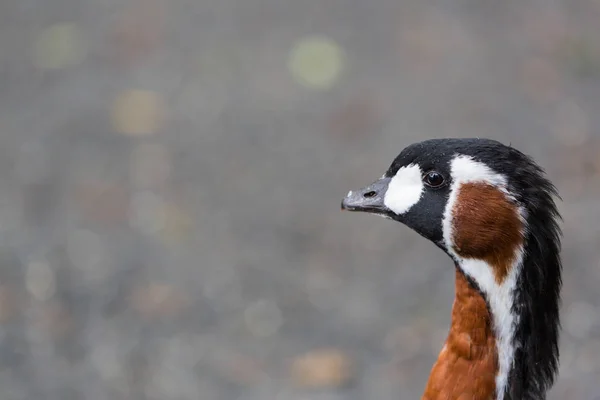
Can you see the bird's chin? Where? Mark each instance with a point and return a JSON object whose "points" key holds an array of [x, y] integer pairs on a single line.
{"points": [[385, 216], [382, 215]]}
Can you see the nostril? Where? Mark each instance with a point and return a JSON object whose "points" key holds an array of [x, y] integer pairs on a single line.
{"points": [[370, 194]]}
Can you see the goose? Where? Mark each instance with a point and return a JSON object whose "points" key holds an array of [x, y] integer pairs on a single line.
{"points": [[492, 210]]}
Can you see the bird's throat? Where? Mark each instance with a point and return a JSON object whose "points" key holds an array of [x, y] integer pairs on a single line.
{"points": [[468, 363]]}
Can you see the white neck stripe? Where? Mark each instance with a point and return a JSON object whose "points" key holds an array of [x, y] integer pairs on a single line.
{"points": [[500, 296]]}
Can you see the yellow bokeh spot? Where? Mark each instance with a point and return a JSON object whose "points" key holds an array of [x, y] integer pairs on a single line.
{"points": [[138, 112], [316, 62], [178, 225], [58, 46]]}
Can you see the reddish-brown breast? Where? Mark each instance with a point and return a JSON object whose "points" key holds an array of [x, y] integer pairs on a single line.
{"points": [[467, 366], [487, 227]]}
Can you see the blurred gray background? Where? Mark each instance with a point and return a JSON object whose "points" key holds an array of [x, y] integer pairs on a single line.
{"points": [[171, 174]]}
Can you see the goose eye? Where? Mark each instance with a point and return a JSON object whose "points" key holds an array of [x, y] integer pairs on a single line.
{"points": [[433, 179]]}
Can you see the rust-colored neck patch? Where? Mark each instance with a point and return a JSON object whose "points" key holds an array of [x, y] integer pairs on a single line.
{"points": [[486, 226], [467, 366]]}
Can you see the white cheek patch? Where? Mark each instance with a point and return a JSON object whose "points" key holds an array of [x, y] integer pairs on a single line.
{"points": [[500, 296], [404, 190]]}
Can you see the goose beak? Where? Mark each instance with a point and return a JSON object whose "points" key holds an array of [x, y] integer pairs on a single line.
{"points": [[369, 199]]}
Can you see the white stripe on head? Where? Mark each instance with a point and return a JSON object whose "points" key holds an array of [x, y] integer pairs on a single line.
{"points": [[464, 169], [404, 190], [500, 297]]}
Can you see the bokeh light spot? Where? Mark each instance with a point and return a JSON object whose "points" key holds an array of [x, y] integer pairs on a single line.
{"points": [[138, 112], [322, 368], [40, 281], [316, 62], [177, 224], [58, 46]]}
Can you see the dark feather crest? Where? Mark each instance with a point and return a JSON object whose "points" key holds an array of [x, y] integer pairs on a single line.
{"points": [[537, 297]]}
